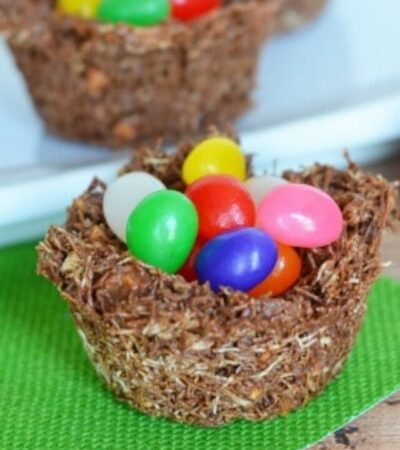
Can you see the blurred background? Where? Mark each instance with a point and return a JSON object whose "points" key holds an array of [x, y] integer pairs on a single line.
{"points": [[330, 85]]}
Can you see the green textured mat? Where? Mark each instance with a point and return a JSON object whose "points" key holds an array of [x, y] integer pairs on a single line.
{"points": [[51, 398]]}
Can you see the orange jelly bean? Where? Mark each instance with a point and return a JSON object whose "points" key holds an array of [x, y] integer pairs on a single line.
{"points": [[285, 274]]}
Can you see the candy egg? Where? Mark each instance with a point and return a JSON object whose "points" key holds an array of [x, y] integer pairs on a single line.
{"points": [[286, 272], [162, 230], [82, 8], [214, 156], [123, 195], [259, 187], [239, 259], [301, 216], [222, 203], [192, 9], [134, 12]]}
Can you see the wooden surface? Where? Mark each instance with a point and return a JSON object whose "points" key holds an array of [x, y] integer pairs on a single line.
{"points": [[379, 429]]}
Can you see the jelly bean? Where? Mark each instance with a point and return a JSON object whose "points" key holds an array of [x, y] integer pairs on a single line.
{"points": [[192, 9], [214, 156], [285, 274], [259, 187], [239, 259], [222, 203], [82, 8], [123, 195], [134, 12], [188, 270], [301, 216], [162, 230]]}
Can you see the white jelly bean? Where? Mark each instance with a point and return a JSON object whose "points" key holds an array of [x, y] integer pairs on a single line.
{"points": [[123, 195], [259, 187]]}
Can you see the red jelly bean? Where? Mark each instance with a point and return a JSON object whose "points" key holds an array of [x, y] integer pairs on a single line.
{"points": [[192, 9], [188, 270], [223, 204], [285, 274]]}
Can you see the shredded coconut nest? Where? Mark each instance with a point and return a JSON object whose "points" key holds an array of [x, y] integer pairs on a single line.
{"points": [[117, 85], [176, 349]]}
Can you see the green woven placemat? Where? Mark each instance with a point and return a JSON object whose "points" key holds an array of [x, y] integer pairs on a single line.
{"points": [[51, 398]]}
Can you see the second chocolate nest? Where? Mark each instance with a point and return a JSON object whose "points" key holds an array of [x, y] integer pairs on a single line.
{"points": [[116, 85]]}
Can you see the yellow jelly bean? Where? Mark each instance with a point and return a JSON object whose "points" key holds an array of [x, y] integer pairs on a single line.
{"points": [[82, 8], [214, 156]]}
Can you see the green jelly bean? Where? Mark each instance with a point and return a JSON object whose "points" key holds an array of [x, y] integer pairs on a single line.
{"points": [[162, 230], [134, 12]]}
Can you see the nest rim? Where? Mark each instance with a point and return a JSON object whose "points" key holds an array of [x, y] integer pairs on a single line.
{"points": [[45, 12]]}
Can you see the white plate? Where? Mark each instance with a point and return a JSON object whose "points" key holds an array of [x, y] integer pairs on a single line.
{"points": [[334, 84]]}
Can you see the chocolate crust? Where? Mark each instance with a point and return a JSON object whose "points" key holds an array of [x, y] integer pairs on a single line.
{"points": [[176, 349], [121, 85]]}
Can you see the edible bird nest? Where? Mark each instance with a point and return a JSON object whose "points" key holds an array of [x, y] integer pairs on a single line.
{"points": [[116, 85], [177, 349]]}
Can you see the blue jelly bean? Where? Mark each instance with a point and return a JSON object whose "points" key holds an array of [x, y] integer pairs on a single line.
{"points": [[239, 259]]}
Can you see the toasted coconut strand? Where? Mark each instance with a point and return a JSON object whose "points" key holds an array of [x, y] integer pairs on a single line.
{"points": [[295, 13], [178, 350]]}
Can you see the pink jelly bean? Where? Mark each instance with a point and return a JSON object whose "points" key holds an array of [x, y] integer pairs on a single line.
{"points": [[301, 216]]}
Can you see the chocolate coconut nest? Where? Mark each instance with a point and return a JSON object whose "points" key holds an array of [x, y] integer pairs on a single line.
{"points": [[119, 85], [177, 349]]}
